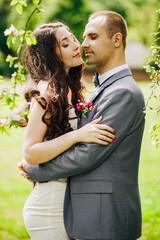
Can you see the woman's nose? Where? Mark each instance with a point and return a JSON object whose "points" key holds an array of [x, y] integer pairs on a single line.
{"points": [[76, 45]]}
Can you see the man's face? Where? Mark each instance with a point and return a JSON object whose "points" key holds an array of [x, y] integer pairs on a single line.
{"points": [[97, 46]]}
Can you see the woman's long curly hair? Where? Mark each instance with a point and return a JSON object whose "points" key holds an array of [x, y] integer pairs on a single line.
{"points": [[43, 63]]}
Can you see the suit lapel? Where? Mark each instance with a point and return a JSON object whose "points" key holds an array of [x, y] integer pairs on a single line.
{"points": [[109, 81]]}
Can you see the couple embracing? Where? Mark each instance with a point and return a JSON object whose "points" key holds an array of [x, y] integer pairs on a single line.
{"points": [[96, 165]]}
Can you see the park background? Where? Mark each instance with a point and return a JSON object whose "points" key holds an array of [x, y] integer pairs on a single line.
{"points": [[142, 21]]}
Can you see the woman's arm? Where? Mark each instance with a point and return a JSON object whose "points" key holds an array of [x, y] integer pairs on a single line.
{"points": [[36, 151]]}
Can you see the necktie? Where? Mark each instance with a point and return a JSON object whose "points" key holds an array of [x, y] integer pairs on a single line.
{"points": [[95, 80]]}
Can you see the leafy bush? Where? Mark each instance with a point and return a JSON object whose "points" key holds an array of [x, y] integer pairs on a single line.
{"points": [[17, 115], [153, 69]]}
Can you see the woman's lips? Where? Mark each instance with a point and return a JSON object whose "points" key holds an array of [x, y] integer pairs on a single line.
{"points": [[78, 55]]}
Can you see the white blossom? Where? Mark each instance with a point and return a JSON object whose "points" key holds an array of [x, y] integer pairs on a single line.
{"points": [[3, 120], [17, 113], [10, 30], [14, 116], [153, 123], [154, 141]]}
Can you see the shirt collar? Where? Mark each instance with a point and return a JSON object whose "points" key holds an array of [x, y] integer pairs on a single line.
{"points": [[111, 72]]}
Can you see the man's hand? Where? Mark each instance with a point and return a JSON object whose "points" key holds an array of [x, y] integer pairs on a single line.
{"points": [[23, 170]]}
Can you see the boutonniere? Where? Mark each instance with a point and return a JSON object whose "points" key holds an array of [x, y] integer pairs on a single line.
{"points": [[85, 108]]}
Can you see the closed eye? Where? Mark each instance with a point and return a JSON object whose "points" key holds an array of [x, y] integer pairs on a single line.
{"points": [[93, 37], [66, 45]]}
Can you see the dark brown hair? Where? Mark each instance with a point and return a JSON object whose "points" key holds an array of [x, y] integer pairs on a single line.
{"points": [[42, 63], [114, 23]]}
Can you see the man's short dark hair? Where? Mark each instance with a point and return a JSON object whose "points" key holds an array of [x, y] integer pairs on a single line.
{"points": [[114, 23]]}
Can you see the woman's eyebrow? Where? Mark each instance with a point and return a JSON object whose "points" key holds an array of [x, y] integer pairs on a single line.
{"points": [[64, 39]]}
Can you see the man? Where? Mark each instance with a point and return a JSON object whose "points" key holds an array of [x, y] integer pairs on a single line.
{"points": [[102, 197]]}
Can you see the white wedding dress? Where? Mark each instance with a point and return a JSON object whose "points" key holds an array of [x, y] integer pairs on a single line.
{"points": [[43, 210]]}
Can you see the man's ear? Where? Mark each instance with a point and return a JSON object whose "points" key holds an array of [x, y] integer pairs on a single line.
{"points": [[117, 39]]}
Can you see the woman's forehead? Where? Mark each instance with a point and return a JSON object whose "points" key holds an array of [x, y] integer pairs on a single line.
{"points": [[62, 33]]}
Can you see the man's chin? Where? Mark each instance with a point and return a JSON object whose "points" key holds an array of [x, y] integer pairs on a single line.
{"points": [[90, 62]]}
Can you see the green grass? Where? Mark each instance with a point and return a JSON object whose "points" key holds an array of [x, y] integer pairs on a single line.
{"points": [[15, 189]]}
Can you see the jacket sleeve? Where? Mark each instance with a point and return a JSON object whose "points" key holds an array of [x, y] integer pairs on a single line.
{"points": [[119, 112]]}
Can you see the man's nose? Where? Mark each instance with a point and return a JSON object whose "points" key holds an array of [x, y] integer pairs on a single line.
{"points": [[84, 44]]}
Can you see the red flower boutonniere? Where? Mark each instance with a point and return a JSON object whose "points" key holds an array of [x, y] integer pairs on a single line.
{"points": [[85, 108]]}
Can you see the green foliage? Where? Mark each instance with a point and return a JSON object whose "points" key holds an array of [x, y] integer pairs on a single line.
{"points": [[17, 115], [20, 5], [74, 14], [137, 13], [1, 81], [35, 2], [153, 69]]}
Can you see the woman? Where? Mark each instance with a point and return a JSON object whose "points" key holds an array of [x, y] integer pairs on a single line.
{"points": [[55, 65]]}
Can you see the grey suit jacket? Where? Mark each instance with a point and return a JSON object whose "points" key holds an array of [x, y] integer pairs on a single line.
{"points": [[102, 197]]}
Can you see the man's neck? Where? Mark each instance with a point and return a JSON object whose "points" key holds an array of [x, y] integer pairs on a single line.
{"points": [[113, 63]]}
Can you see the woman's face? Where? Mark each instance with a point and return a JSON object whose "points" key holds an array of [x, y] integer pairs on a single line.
{"points": [[68, 48]]}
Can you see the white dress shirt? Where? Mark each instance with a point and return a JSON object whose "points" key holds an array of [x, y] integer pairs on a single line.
{"points": [[103, 77], [111, 72]]}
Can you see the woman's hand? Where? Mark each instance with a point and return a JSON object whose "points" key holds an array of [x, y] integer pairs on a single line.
{"points": [[94, 132]]}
